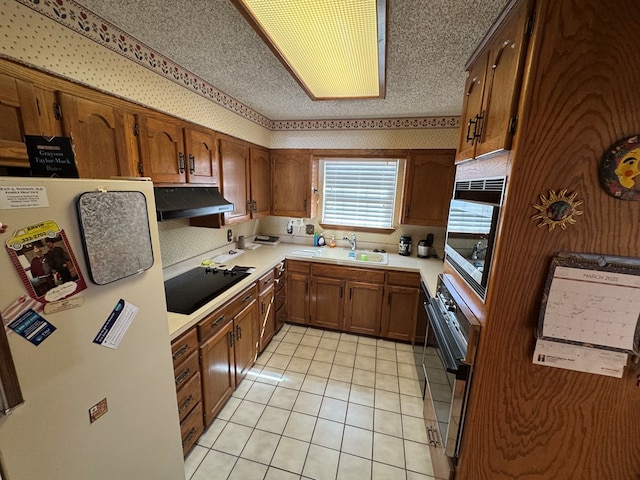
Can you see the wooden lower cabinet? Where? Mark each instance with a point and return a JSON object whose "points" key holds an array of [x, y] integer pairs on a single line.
{"points": [[298, 286], [188, 393], [245, 348], [327, 302], [217, 364], [267, 325], [400, 306], [363, 308], [364, 301]]}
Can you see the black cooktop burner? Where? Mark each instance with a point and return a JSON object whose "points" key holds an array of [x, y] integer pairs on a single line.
{"points": [[188, 292]]}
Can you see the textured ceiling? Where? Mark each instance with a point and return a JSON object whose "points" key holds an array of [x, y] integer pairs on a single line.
{"points": [[428, 43]]}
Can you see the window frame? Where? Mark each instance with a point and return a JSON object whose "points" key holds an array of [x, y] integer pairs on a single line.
{"points": [[399, 189]]}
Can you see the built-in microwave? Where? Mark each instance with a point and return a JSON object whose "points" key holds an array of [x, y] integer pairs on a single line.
{"points": [[472, 228]]}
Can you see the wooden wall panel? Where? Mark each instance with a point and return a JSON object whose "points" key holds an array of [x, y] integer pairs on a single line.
{"points": [[581, 95]]}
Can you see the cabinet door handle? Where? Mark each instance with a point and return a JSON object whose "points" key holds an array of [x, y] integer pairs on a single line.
{"points": [[341, 291], [181, 162], [189, 436], [181, 351], [262, 308], [350, 293], [185, 404], [181, 378], [217, 322], [406, 210], [305, 205], [238, 332], [192, 163], [389, 298], [231, 339], [255, 206], [477, 132], [248, 205], [471, 137]]}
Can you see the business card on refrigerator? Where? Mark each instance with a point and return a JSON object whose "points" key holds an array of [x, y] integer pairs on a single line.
{"points": [[114, 329], [32, 326]]}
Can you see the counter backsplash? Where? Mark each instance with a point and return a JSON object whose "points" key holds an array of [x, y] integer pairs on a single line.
{"points": [[179, 241]]}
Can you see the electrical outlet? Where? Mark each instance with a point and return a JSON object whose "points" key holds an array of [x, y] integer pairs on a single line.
{"points": [[297, 222]]}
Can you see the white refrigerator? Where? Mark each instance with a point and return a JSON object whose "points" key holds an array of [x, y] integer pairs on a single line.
{"points": [[83, 302]]}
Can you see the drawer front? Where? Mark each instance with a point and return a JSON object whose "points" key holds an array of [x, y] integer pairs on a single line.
{"points": [[191, 428], [403, 279], [242, 300], [348, 273], [186, 370], [182, 347], [265, 281], [298, 267], [189, 395], [213, 323]]}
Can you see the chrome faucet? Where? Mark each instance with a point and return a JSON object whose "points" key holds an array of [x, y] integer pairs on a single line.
{"points": [[352, 241]]}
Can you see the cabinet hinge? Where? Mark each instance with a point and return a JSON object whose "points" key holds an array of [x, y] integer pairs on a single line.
{"points": [[513, 123], [529, 28], [140, 169], [57, 111], [136, 129]]}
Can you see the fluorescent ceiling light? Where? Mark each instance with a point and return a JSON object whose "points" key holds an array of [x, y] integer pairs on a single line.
{"points": [[335, 49]]}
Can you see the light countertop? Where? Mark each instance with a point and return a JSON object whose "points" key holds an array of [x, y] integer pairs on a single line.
{"points": [[266, 257]]}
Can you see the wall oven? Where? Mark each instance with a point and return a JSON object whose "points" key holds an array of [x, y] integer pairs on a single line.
{"points": [[448, 361], [471, 230]]}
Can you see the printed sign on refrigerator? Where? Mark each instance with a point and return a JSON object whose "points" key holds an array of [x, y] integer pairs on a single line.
{"points": [[113, 330], [32, 326]]}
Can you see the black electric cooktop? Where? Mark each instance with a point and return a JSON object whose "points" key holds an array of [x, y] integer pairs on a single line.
{"points": [[188, 292]]}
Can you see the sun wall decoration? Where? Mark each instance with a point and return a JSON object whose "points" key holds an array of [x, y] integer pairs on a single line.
{"points": [[557, 210]]}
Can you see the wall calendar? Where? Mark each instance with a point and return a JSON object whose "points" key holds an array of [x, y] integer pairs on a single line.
{"points": [[593, 301]]}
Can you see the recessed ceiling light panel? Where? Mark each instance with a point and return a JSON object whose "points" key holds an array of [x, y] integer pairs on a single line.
{"points": [[334, 48]]}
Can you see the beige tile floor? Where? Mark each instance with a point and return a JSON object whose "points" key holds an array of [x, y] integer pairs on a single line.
{"points": [[320, 405]]}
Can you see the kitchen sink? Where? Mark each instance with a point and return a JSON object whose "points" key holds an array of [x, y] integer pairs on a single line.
{"points": [[369, 257]]}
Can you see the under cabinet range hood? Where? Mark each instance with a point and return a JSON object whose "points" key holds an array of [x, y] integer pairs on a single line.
{"points": [[187, 202]]}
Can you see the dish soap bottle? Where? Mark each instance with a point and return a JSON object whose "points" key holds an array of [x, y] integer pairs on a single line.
{"points": [[321, 242], [332, 242]]}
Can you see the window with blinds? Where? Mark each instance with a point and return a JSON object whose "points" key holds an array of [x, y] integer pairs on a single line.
{"points": [[359, 193]]}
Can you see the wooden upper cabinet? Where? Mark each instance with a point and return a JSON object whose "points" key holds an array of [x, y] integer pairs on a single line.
{"points": [[234, 161], [99, 137], [428, 187], [24, 110], [260, 171], [201, 156], [293, 189], [162, 149], [493, 85], [472, 108]]}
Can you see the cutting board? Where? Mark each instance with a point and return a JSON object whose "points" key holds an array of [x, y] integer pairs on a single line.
{"points": [[115, 234]]}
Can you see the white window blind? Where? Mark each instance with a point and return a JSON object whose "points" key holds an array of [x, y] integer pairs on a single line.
{"points": [[469, 217], [359, 193]]}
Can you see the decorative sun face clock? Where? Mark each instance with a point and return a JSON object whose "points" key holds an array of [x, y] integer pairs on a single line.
{"points": [[557, 210], [620, 169]]}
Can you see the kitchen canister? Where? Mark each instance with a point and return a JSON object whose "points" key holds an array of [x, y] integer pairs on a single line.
{"points": [[404, 247]]}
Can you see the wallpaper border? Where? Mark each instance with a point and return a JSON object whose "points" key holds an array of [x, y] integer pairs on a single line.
{"points": [[81, 20]]}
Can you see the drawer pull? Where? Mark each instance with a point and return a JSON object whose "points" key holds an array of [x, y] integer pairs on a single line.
{"points": [[268, 280], [217, 322], [185, 404], [247, 298], [181, 351], [189, 436], [183, 376]]}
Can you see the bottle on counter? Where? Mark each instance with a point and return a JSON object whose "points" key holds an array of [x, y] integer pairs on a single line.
{"points": [[332, 242], [321, 241]]}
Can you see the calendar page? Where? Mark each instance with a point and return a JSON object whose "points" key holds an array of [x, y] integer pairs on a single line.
{"points": [[592, 302]]}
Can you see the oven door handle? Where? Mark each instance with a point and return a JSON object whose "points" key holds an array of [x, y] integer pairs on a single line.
{"points": [[448, 359]]}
